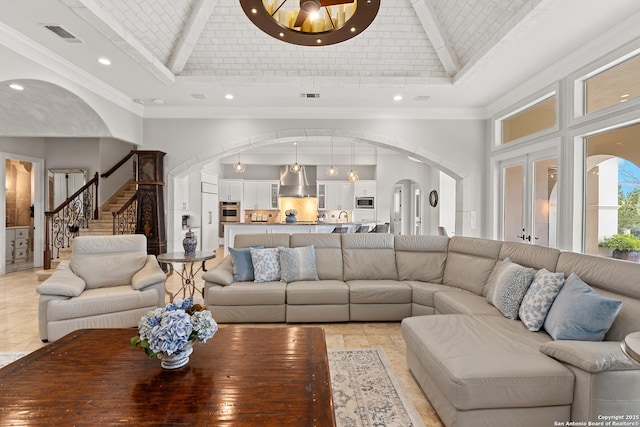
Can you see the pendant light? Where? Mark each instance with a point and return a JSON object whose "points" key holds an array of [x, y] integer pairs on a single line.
{"points": [[295, 167], [239, 167], [332, 170], [353, 174]]}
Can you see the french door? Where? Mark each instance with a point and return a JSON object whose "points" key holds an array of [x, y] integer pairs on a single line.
{"points": [[529, 199]]}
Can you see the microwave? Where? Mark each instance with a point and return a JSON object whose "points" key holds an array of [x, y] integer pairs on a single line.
{"points": [[365, 203]]}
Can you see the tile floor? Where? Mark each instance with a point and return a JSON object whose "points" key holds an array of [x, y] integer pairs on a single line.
{"points": [[19, 332]]}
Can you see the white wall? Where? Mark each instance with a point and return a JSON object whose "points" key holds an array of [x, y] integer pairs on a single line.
{"points": [[32, 147], [111, 151]]}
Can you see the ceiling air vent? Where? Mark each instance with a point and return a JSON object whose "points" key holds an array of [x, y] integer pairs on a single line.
{"points": [[310, 95], [62, 33], [198, 96], [421, 98]]}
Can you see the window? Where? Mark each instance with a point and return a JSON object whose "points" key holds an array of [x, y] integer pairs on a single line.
{"points": [[612, 183], [615, 85], [532, 119]]}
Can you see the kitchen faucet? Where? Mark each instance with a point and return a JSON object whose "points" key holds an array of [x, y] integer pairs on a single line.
{"points": [[346, 213]]}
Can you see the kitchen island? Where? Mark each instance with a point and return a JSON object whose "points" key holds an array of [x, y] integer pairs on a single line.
{"points": [[231, 229]]}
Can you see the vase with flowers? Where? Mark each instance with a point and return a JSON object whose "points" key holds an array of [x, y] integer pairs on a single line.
{"points": [[290, 215], [169, 332]]}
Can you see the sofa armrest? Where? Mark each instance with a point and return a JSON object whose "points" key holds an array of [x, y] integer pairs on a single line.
{"points": [[590, 356], [221, 274], [63, 282], [148, 275]]}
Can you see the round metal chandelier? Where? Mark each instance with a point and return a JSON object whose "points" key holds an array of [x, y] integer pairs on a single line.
{"points": [[311, 22]]}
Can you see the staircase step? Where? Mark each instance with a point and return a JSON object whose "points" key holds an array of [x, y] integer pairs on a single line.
{"points": [[44, 274]]}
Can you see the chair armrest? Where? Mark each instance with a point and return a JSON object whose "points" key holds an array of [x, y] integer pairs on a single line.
{"points": [[148, 275], [590, 356], [63, 282], [221, 274]]}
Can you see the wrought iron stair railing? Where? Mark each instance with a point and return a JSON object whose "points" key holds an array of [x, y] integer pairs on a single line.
{"points": [[65, 222], [124, 220]]}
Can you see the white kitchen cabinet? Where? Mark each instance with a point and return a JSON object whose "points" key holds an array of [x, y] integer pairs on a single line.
{"points": [[230, 190], [338, 195], [365, 188], [16, 244], [209, 216], [260, 195]]}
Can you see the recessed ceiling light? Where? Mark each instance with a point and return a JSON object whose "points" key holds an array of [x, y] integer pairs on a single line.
{"points": [[228, 96], [104, 61], [158, 101], [414, 159], [397, 98], [139, 101], [16, 86]]}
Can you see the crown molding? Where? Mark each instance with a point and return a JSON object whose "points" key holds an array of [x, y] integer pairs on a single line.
{"points": [[169, 112]]}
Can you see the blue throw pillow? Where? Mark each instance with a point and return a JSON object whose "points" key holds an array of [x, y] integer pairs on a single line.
{"points": [[537, 302], [242, 264], [298, 264], [580, 313]]}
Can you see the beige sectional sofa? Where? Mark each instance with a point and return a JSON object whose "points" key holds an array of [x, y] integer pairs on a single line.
{"points": [[477, 367]]}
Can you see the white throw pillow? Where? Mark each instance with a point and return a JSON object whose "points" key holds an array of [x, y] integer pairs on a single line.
{"points": [[266, 264]]}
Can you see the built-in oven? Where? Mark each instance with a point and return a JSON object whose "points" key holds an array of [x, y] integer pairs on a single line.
{"points": [[365, 203], [229, 212]]}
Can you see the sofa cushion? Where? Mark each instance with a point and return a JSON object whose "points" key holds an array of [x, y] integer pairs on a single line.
{"points": [[298, 264], [268, 240], [463, 302], [108, 260], [484, 362], [590, 356], [328, 250], [421, 258], [248, 293], [470, 261], [423, 293], [509, 287], [609, 277], [98, 301], [378, 292], [537, 302], [368, 256], [580, 313], [317, 292], [534, 256], [242, 264], [266, 264]]}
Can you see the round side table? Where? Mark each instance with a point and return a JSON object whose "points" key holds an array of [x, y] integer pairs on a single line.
{"points": [[187, 273], [631, 346]]}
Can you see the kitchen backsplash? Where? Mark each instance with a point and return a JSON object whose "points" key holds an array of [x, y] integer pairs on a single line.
{"points": [[266, 216]]}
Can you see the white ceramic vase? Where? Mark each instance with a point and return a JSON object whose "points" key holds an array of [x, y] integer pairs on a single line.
{"points": [[176, 360]]}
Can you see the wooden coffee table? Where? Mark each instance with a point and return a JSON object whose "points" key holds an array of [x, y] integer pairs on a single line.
{"points": [[242, 377]]}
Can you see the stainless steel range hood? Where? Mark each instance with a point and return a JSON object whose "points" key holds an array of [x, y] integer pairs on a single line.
{"points": [[301, 184]]}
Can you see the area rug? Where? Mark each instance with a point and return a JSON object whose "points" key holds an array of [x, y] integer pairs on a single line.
{"points": [[6, 357], [367, 392]]}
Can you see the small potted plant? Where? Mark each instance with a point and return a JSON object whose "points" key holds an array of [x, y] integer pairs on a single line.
{"points": [[625, 246], [290, 215]]}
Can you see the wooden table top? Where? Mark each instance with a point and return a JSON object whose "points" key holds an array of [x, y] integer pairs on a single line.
{"points": [[241, 377]]}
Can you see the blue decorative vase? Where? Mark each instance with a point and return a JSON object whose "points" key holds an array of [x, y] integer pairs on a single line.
{"points": [[291, 218], [189, 243]]}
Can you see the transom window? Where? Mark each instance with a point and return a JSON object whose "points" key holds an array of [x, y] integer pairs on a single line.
{"points": [[530, 120], [615, 85]]}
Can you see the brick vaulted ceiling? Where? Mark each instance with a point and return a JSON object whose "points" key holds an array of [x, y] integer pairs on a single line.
{"points": [[444, 55]]}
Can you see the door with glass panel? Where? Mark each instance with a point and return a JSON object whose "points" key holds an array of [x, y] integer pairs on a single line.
{"points": [[529, 199]]}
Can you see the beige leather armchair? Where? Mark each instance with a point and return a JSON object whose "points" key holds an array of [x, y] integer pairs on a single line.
{"points": [[110, 282]]}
